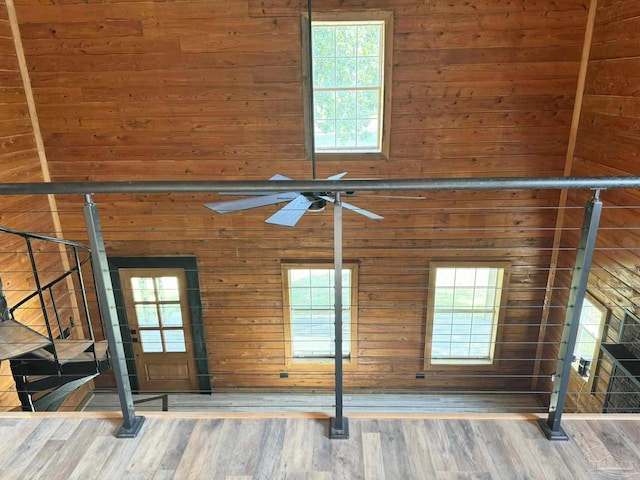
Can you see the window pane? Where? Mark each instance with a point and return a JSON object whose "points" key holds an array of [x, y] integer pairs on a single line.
{"points": [[346, 72], [368, 104], [348, 56], [324, 73], [368, 72], [171, 315], [323, 41], [367, 132], [346, 104], [143, 289], [151, 341], [147, 316], [369, 37], [346, 41], [346, 133], [464, 312], [312, 312], [589, 335], [325, 133], [174, 341], [168, 289], [325, 105]]}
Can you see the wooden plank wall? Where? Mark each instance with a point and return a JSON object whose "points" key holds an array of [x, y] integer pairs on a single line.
{"points": [[608, 143], [212, 90], [20, 163]]}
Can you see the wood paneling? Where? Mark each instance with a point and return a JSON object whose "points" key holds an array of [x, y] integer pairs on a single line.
{"points": [[608, 143], [212, 90], [20, 163]]}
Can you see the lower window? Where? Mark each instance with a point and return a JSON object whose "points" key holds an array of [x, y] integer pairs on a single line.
{"points": [[592, 320], [464, 308], [309, 296]]}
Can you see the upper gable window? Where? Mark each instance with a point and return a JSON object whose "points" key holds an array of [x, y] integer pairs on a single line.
{"points": [[351, 84], [347, 86]]}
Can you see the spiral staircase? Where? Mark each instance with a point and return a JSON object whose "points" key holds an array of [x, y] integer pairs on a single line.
{"points": [[49, 363]]}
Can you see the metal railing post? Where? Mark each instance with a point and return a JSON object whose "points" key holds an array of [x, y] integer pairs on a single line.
{"points": [[584, 255], [106, 302], [339, 425]]}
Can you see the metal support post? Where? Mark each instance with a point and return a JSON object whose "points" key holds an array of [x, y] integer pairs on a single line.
{"points": [[584, 255], [131, 424], [339, 425]]}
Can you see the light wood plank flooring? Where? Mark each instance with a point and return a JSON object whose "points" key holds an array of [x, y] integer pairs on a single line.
{"points": [[324, 402], [197, 446]]}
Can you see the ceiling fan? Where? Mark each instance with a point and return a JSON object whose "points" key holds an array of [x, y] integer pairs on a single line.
{"points": [[299, 203]]}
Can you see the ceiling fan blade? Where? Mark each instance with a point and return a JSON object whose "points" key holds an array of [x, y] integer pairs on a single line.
{"points": [[361, 211], [277, 176], [247, 203], [289, 215], [337, 176]]}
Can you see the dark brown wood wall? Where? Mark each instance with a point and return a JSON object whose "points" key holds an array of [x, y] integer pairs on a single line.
{"points": [[20, 163], [212, 90], [608, 143]]}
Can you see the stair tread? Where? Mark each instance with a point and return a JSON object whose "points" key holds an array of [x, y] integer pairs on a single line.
{"points": [[66, 349], [18, 339], [100, 349]]}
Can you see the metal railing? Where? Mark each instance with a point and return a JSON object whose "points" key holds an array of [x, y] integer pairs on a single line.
{"points": [[559, 367]]}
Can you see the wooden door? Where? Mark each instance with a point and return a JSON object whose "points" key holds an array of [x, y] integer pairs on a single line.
{"points": [[160, 325]]}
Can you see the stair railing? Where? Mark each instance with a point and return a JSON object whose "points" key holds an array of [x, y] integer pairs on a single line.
{"points": [[79, 261]]}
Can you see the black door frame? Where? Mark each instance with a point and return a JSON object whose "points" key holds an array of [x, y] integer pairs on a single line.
{"points": [[190, 267]]}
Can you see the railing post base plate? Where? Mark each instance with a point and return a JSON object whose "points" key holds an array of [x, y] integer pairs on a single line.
{"points": [[339, 432], [550, 434], [133, 431]]}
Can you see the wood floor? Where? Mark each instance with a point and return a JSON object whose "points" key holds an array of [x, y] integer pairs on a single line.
{"points": [[199, 446], [253, 402]]}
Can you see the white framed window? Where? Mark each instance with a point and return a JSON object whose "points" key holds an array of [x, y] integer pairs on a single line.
{"points": [[593, 317], [351, 83], [309, 295], [464, 309]]}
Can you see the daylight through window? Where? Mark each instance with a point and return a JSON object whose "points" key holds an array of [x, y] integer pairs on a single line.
{"points": [[592, 318], [348, 79], [465, 306], [311, 301]]}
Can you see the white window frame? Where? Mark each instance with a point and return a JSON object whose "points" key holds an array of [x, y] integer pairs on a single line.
{"points": [[385, 120], [497, 311], [349, 304], [590, 305]]}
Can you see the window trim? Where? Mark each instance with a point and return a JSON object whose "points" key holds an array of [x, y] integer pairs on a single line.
{"points": [[318, 362], [604, 315], [375, 15], [494, 360]]}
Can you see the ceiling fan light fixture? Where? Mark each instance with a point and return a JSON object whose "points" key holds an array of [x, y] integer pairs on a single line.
{"points": [[318, 205]]}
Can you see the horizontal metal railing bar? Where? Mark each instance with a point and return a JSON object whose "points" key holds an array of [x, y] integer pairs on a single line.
{"points": [[275, 186]]}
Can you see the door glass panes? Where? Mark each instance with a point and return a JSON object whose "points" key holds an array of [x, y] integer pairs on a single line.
{"points": [[159, 313], [171, 315], [312, 312], [347, 64], [174, 341], [151, 341], [168, 289], [147, 316], [142, 289], [465, 311]]}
